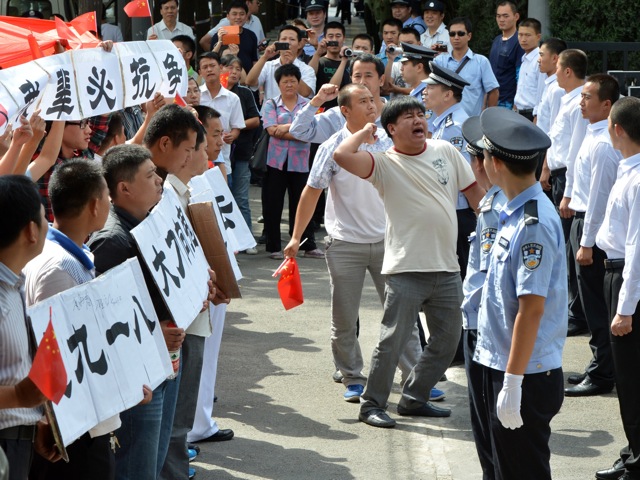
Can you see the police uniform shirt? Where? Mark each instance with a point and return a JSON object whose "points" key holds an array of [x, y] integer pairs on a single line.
{"points": [[448, 126], [440, 37], [417, 23], [477, 71], [528, 258], [530, 81], [620, 230], [567, 131], [549, 105], [480, 243], [594, 174], [417, 92]]}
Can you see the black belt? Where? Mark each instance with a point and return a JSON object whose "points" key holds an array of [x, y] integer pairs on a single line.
{"points": [[19, 432], [614, 263], [559, 171], [580, 214], [525, 111]]}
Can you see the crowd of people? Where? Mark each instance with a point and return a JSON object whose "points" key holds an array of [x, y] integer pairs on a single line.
{"points": [[496, 194]]}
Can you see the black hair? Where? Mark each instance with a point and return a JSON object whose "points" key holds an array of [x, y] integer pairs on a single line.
{"points": [[512, 5], [205, 113], [186, 41], [121, 164], [162, 2], [532, 23], [392, 22], [20, 204], [364, 36], [116, 126], [464, 21], [171, 121], [369, 58], [287, 70], [608, 87], [554, 45], [626, 113], [576, 60], [334, 25], [211, 56], [200, 135], [73, 184], [293, 28], [238, 4], [410, 31], [399, 106], [521, 168]]}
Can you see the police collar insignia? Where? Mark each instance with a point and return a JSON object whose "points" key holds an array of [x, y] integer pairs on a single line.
{"points": [[531, 255], [449, 120]]}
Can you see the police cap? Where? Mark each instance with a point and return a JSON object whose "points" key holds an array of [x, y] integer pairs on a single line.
{"points": [[416, 52], [404, 3], [510, 136], [435, 5], [315, 5], [443, 76], [472, 133]]}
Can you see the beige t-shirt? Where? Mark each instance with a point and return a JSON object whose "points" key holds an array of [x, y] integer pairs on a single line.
{"points": [[420, 193]]}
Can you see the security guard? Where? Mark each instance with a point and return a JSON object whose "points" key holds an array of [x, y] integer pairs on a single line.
{"points": [[480, 244], [521, 322], [419, 55]]}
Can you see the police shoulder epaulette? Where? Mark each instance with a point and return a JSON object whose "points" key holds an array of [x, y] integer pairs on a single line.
{"points": [[486, 205], [531, 212], [449, 120]]}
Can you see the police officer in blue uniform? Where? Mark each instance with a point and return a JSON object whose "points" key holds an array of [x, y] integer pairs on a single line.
{"points": [[523, 309], [480, 245], [423, 55]]}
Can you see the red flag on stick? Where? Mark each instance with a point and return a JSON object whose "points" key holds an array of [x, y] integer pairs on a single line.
{"points": [[289, 284], [36, 51], [48, 372], [179, 100], [85, 23], [137, 8]]}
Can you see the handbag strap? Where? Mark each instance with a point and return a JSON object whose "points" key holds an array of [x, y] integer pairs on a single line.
{"points": [[464, 62]]}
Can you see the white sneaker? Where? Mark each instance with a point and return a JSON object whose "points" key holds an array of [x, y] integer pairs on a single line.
{"points": [[251, 251]]}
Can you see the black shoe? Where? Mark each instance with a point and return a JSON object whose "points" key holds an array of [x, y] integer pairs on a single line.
{"points": [[613, 473], [219, 436], [262, 239], [586, 388], [574, 330], [377, 418], [426, 410], [576, 379]]}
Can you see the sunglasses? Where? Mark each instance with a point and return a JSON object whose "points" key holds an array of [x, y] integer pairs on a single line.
{"points": [[82, 124], [459, 33]]}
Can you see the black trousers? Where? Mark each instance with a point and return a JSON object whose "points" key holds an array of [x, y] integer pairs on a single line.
{"points": [[466, 225], [626, 358], [277, 183], [576, 315], [590, 280], [479, 420], [523, 453], [19, 454]]}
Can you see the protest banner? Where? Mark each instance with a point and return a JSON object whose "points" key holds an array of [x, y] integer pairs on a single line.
{"points": [[111, 345], [175, 258]]}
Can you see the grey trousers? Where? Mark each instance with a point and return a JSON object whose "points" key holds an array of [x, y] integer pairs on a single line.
{"points": [[440, 295], [176, 464], [348, 263]]}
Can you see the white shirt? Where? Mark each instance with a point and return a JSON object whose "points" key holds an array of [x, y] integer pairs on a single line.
{"points": [[441, 36], [529, 80], [268, 79], [253, 23], [111, 32], [162, 31], [594, 175], [547, 109], [230, 108], [567, 133], [619, 231]]}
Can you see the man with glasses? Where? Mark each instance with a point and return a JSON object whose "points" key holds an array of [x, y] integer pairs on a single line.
{"points": [[483, 88]]}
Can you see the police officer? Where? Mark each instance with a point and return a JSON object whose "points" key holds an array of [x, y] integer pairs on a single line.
{"points": [[521, 322], [480, 244], [415, 71]]}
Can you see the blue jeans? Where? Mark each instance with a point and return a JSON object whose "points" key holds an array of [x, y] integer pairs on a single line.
{"points": [[239, 185], [144, 434], [440, 295]]}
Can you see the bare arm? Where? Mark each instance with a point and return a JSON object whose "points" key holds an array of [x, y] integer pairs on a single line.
{"points": [[254, 75], [492, 98], [23, 395], [49, 152], [205, 42], [525, 332], [473, 195], [319, 53], [339, 75], [21, 135], [348, 156], [152, 106], [306, 207], [38, 126], [251, 123]]}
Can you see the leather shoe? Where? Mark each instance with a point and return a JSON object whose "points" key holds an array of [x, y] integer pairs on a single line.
{"points": [[586, 388], [426, 410], [613, 473], [576, 379], [574, 330], [377, 418], [219, 436]]}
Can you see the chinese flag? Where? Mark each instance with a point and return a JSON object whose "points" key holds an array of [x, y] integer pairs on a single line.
{"points": [[48, 372], [85, 23], [289, 284], [179, 100], [64, 32], [224, 79], [137, 8]]}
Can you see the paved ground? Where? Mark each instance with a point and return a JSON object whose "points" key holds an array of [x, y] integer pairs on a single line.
{"points": [[291, 423]]}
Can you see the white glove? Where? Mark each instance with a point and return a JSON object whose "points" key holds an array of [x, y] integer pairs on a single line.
{"points": [[509, 398]]}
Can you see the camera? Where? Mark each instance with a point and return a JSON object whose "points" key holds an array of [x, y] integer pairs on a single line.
{"points": [[332, 43], [394, 50], [351, 53], [303, 33], [281, 46], [440, 47]]}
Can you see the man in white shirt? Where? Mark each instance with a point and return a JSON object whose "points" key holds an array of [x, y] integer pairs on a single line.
{"points": [[169, 26], [252, 23], [436, 36], [594, 173], [530, 78], [214, 95]]}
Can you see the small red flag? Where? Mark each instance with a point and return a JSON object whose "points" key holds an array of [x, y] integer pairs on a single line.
{"points": [[137, 8], [289, 284], [48, 372], [85, 23], [179, 100], [224, 79], [36, 51]]}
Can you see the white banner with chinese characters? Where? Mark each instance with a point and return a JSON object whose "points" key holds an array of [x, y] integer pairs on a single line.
{"points": [[111, 345], [175, 258], [84, 83]]}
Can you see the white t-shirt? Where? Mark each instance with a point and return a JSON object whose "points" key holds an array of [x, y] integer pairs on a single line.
{"points": [[420, 194]]}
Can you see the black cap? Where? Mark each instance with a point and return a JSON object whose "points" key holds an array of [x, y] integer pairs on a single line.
{"points": [[400, 2], [472, 133], [443, 76], [434, 5], [315, 5], [416, 52], [510, 136]]}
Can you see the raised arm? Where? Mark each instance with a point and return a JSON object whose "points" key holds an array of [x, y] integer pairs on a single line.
{"points": [[348, 156]]}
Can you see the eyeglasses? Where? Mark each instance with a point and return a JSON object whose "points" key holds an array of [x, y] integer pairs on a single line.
{"points": [[82, 124], [459, 33]]}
